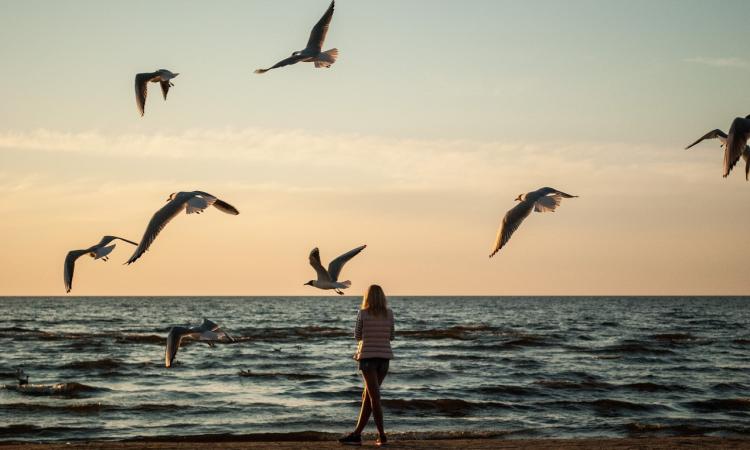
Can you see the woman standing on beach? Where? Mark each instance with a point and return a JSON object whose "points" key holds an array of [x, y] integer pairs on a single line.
{"points": [[374, 333]]}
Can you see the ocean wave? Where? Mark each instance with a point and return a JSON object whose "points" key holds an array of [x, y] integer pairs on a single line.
{"points": [[574, 385], [654, 387], [275, 375], [632, 347], [673, 337], [460, 332], [637, 429], [731, 386], [519, 391], [289, 333], [140, 339], [59, 389], [716, 405], [446, 406], [606, 406], [100, 364], [31, 431]]}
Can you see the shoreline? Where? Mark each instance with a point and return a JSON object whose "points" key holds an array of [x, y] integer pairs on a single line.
{"points": [[274, 442]]}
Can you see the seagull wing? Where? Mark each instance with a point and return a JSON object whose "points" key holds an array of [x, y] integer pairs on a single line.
{"points": [[164, 88], [207, 325], [284, 62], [319, 31], [739, 133], [220, 204], [107, 239], [546, 191], [174, 339], [334, 268], [70, 265], [315, 263], [157, 223], [511, 222], [141, 90], [713, 134], [547, 203]]}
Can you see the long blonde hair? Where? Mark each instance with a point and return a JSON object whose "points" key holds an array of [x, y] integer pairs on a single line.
{"points": [[374, 302]]}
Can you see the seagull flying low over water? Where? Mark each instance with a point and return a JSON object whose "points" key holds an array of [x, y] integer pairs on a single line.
{"points": [[313, 52], [98, 251], [722, 137], [329, 279], [737, 138], [190, 202], [207, 331], [539, 201], [161, 76]]}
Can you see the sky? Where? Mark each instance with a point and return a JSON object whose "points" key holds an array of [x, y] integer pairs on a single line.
{"points": [[417, 140]]}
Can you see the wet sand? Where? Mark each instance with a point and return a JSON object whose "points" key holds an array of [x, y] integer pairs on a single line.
{"points": [[479, 444]]}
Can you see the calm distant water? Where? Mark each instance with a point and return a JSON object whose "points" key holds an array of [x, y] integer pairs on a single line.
{"points": [[517, 367]]}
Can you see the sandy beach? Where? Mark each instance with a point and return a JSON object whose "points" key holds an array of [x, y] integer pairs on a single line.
{"points": [[562, 444]]}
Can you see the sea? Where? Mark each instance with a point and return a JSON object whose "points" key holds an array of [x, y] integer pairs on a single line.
{"points": [[484, 367]]}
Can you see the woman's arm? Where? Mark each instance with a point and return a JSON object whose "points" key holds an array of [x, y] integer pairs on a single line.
{"points": [[358, 327], [393, 328]]}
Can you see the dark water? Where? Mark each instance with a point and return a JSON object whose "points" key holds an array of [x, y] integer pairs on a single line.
{"points": [[520, 367]]}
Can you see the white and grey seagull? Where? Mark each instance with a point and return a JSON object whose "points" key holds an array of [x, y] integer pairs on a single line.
{"points": [[722, 137], [314, 51], [97, 251], [191, 202], [207, 331], [737, 138], [161, 76], [541, 200], [329, 279]]}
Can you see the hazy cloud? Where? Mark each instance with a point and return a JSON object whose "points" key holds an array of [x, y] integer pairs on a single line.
{"points": [[732, 62]]}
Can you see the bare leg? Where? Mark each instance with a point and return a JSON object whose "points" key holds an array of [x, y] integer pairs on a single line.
{"points": [[364, 412], [371, 402]]}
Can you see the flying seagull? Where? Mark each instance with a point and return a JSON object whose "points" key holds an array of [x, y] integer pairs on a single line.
{"points": [[313, 52], [722, 137], [207, 331], [98, 251], [737, 138], [191, 202], [161, 76], [539, 201], [329, 279]]}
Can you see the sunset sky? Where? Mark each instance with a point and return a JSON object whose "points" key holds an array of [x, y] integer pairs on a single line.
{"points": [[435, 117]]}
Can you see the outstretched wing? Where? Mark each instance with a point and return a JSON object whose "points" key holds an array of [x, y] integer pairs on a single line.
{"points": [[511, 222], [141, 90], [315, 263], [157, 223], [319, 31], [107, 239], [547, 203], [70, 265], [284, 62], [220, 204], [334, 268], [165, 88], [713, 134], [739, 133], [174, 338], [534, 196]]}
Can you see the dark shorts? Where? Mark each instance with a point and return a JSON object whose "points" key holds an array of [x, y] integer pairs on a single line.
{"points": [[379, 365]]}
